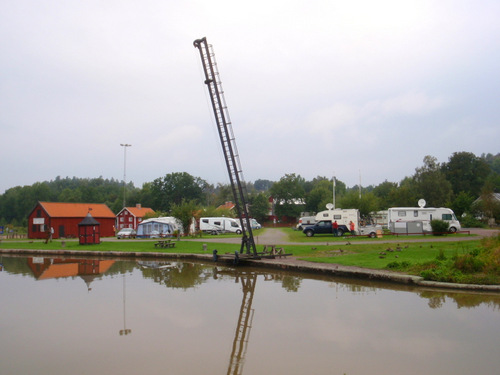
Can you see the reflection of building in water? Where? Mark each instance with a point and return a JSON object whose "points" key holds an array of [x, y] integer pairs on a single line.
{"points": [[50, 268]]}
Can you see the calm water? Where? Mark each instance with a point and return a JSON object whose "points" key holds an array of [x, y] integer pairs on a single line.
{"points": [[76, 316]]}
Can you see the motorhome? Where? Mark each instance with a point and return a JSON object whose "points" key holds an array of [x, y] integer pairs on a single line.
{"points": [[343, 217], [416, 220], [216, 225]]}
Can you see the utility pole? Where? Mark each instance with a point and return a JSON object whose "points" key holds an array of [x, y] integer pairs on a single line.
{"points": [[333, 191], [124, 145], [360, 184]]}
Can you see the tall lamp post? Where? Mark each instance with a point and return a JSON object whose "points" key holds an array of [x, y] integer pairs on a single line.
{"points": [[124, 145]]}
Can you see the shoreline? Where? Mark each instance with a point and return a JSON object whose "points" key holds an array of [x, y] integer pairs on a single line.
{"points": [[285, 263]]}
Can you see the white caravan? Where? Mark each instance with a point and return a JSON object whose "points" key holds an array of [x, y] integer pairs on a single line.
{"points": [[409, 218], [217, 225]]}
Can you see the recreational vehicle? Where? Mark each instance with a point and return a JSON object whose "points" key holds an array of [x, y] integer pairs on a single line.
{"points": [[215, 225], [415, 220], [343, 218]]}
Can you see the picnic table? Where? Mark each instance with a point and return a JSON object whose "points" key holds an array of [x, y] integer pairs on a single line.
{"points": [[165, 244]]}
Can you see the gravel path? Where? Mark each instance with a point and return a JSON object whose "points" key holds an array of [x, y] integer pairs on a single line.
{"points": [[275, 236]]}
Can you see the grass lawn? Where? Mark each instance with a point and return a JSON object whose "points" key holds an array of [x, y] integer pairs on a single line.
{"points": [[380, 255], [361, 255]]}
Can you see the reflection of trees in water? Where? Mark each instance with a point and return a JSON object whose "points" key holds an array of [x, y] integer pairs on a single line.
{"points": [[189, 275], [467, 300], [289, 283], [175, 275]]}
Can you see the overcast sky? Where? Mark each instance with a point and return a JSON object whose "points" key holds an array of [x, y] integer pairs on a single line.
{"points": [[317, 88]]}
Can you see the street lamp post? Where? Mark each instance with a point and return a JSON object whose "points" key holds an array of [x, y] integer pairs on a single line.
{"points": [[124, 145]]}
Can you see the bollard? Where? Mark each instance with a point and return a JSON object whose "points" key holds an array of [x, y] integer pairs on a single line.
{"points": [[236, 257], [215, 257], [204, 247], [63, 243]]}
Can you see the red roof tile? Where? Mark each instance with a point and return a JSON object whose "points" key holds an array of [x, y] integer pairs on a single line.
{"points": [[57, 209], [140, 211]]}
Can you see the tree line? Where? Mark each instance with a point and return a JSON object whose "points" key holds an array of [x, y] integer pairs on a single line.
{"points": [[456, 183]]}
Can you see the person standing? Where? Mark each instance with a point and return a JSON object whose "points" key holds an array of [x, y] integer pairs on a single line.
{"points": [[352, 227], [335, 227]]}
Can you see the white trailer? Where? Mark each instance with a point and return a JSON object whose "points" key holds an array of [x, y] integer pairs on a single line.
{"points": [[403, 218], [215, 225]]}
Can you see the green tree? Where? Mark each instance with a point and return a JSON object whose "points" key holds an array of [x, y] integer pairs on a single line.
{"points": [[384, 192], [405, 195], [223, 194], [185, 211], [319, 196], [431, 183], [493, 161], [462, 203], [289, 195], [366, 204], [262, 185], [259, 207], [466, 172], [175, 187]]}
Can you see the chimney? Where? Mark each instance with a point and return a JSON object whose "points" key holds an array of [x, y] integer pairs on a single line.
{"points": [[138, 205]]}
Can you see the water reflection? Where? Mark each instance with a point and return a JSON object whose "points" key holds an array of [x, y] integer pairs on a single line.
{"points": [[190, 317]]}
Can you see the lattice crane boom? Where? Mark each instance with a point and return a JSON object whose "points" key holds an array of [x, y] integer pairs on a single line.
{"points": [[227, 139]]}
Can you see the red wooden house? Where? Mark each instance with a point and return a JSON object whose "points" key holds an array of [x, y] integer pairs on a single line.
{"points": [[131, 217], [63, 219]]}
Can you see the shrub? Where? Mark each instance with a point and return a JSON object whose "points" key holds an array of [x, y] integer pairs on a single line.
{"points": [[470, 221], [469, 263], [439, 227]]}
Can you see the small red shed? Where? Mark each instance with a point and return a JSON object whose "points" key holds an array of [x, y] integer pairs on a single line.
{"points": [[89, 231]]}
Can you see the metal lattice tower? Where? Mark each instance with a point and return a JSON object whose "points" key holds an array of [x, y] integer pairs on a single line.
{"points": [[212, 80]]}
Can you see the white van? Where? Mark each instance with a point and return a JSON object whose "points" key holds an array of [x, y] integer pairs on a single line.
{"points": [[215, 225]]}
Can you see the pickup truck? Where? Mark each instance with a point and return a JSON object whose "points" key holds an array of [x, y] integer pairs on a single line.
{"points": [[325, 226]]}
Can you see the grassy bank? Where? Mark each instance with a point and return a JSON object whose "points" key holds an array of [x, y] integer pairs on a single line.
{"points": [[472, 262]]}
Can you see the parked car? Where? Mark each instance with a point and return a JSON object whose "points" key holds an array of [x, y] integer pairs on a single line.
{"points": [[126, 233]]}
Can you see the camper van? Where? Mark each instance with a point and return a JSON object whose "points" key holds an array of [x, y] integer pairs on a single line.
{"points": [[216, 225], [343, 218], [416, 220]]}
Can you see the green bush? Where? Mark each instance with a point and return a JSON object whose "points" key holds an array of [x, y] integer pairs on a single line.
{"points": [[439, 227], [469, 263], [469, 221]]}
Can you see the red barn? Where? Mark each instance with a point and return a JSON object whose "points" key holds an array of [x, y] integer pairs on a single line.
{"points": [[63, 219], [131, 217]]}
